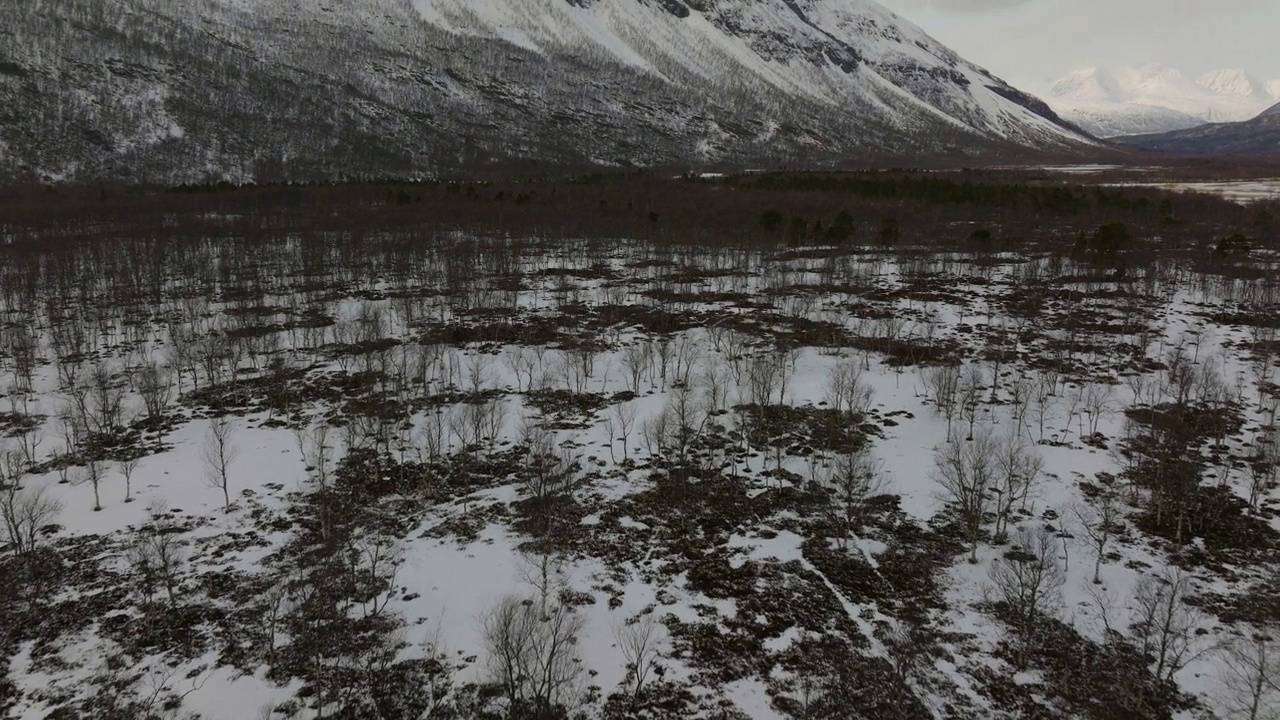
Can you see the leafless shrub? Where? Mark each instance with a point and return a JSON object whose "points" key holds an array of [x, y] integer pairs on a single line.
{"points": [[1163, 624], [1096, 398], [852, 479], [639, 639], [965, 472], [155, 386], [1099, 522], [637, 359], [1018, 468], [24, 512], [532, 654], [157, 556], [846, 392], [1250, 673], [1029, 580]]}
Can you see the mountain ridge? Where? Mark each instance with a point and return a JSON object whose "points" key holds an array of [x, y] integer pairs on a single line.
{"points": [[229, 89], [1157, 98], [1258, 136]]}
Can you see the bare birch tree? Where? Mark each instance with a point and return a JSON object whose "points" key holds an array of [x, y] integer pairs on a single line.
{"points": [[1029, 580], [219, 453]]}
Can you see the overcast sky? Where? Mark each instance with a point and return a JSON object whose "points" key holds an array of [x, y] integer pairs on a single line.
{"points": [[1033, 42]]}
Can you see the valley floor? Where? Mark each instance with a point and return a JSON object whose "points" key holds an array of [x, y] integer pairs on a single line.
{"points": [[524, 478]]}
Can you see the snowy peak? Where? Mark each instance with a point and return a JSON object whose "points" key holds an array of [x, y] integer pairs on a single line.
{"points": [[1152, 78], [1157, 98], [1087, 85], [1233, 82]]}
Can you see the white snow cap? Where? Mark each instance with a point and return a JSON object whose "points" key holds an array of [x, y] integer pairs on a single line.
{"points": [[1158, 98]]}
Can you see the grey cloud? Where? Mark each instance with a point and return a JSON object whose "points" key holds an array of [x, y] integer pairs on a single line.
{"points": [[959, 6]]}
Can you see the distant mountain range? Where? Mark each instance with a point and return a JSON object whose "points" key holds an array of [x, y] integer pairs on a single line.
{"points": [[163, 91], [1256, 136], [1157, 98]]}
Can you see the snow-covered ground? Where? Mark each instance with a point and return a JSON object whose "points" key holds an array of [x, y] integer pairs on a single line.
{"points": [[460, 549], [1240, 191]]}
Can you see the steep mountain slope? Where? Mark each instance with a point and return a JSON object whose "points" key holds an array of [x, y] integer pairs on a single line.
{"points": [[1157, 98], [235, 89], [1259, 136]]}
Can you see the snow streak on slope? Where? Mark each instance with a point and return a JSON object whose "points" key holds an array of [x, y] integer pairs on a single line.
{"points": [[835, 52]]}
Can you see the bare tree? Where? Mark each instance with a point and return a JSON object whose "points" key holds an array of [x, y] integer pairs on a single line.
{"points": [[786, 361], [763, 373], [624, 415], [1163, 624], [1018, 468], [944, 384], [317, 453], [24, 512], [638, 640], [907, 647], [1250, 673], [846, 392], [1096, 398], [663, 351], [965, 472], [157, 555], [480, 371], [127, 468], [1029, 580], [853, 479], [550, 473], [508, 634], [1263, 467], [219, 452], [532, 654], [29, 446], [92, 473], [1044, 400], [572, 369], [155, 386], [686, 355], [1071, 406], [107, 394], [689, 417], [523, 364], [657, 431], [715, 378], [970, 393], [460, 420], [1099, 523], [637, 358]]}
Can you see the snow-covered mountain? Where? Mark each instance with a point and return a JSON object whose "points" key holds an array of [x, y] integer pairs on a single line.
{"points": [[1233, 83], [1258, 136], [156, 90], [1157, 98]]}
